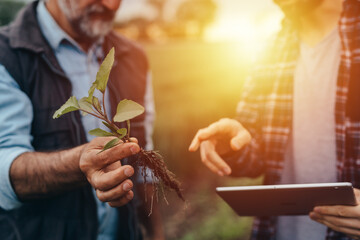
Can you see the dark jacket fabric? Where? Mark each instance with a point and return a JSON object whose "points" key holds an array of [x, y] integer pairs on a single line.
{"points": [[29, 59]]}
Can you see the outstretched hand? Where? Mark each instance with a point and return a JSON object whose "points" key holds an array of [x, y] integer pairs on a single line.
{"points": [[106, 174], [221, 137], [345, 219]]}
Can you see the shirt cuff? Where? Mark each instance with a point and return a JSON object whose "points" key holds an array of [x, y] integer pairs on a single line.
{"points": [[8, 198]]}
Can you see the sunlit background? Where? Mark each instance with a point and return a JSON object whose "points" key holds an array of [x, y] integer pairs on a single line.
{"points": [[200, 52]]}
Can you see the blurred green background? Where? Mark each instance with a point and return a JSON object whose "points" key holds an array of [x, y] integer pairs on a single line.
{"points": [[195, 83], [199, 60]]}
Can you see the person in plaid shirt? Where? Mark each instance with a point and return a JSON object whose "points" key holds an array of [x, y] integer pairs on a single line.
{"points": [[298, 120]]}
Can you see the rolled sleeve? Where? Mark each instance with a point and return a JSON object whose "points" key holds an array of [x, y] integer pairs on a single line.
{"points": [[15, 138]]}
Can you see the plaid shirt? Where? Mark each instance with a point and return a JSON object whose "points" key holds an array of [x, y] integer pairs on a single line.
{"points": [[266, 111]]}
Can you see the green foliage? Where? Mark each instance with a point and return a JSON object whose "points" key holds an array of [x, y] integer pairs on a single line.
{"points": [[97, 104], [8, 10], [102, 75], [85, 105], [122, 132], [111, 144], [100, 133], [70, 106], [127, 110]]}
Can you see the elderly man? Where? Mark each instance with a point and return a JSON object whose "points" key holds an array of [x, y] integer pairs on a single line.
{"points": [[51, 178], [299, 120]]}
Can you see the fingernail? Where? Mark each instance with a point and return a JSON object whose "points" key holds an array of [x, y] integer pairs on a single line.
{"points": [[129, 196], [227, 171], [126, 187], [128, 172], [134, 149], [220, 173]]}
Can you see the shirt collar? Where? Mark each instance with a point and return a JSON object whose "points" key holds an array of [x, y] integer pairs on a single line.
{"points": [[53, 33]]}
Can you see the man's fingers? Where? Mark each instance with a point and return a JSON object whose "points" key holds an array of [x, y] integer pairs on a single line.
{"points": [[338, 221], [335, 226], [132, 139], [107, 180], [208, 164], [122, 201], [339, 211], [115, 193], [212, 160], [242, 138]]}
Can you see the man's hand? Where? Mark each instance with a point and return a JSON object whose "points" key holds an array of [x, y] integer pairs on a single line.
{"points": [[105, 173], [221, 137], [345, 219]]}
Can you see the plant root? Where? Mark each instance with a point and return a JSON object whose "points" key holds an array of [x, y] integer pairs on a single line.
{"points": [[155, 162]]}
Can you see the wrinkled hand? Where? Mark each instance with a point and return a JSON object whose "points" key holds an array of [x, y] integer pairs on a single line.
{"points": [[105, 172], [221, 137], [345, 219]]}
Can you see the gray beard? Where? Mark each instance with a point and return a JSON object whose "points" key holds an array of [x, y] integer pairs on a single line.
{"points": [[82, 22]]}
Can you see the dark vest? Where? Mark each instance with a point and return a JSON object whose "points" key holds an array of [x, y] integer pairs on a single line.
{"points": [[30, 61]]}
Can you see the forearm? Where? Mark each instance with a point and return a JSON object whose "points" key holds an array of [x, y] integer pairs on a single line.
{"points": [[36, 175]]}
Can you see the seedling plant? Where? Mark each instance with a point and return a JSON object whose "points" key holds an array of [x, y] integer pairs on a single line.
{"points": [[126, 110]]}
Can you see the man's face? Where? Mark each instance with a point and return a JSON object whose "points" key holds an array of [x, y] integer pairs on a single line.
{"points": [[91, 18], [298, 8]]}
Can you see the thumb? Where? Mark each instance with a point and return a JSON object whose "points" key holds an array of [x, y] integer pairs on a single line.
{"points": [[242, 138]]}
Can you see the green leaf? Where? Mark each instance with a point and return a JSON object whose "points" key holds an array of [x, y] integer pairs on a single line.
{"points": [[97, 104], [127, 110], [91, 93], [111, 144], [85, 105], [122, 132], [102, 75], [70, 106], [100, 133]]}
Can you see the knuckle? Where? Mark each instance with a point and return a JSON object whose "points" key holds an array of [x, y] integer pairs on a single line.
{"points": [[200, 132], [247, 137], [94, 181], [223, 120], [341, 212], [98, 183], [100, 196], [118, 203], [102, 157], [83, 165], [207, 155]]}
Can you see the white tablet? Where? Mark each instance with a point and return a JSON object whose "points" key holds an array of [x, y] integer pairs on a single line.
{"points": [[287, 199]]}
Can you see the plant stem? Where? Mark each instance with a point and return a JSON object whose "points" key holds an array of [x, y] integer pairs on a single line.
{"points": [[103, 102], [95, 115], [128, 125]]}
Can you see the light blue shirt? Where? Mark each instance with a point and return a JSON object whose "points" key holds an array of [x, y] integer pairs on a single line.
{"points": [[16, 112]]}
